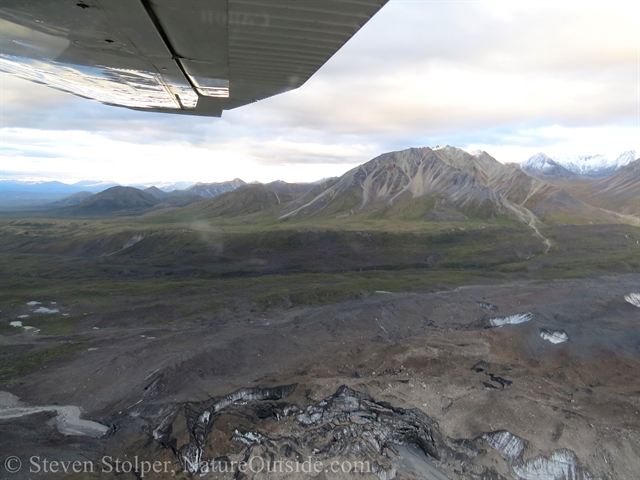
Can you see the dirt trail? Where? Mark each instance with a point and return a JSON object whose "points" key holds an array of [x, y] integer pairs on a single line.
{"points": [[530, 219], [630, 219], [532, 224]]}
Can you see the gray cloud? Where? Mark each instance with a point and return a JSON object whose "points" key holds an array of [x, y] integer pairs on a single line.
{"points": [[420, 73]]}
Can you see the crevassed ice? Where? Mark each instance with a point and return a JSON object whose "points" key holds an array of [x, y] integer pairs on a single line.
{"points": [[562, 464], [511, 319], [633, 299], [554, 336], [509, 446]]}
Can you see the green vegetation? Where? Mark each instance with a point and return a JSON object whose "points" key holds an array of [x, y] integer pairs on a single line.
{"points": [[192, 269], [196, 267], [12, 364]]}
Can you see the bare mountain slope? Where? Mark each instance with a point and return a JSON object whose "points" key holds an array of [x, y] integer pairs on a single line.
{"points": [[127, 200], [245, 200], [444, 180], [619, 192], [390, 178], [115, 199], [72, 199]]}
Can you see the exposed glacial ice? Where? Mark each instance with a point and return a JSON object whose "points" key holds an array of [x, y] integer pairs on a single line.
{"points": [[487, 306], [633, 299], [350, 424], [562, 464], [190, 455], [509, 446], [554, 336], [248, 438], [511, 319]]}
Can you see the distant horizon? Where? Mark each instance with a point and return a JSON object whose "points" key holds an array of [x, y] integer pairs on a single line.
{"points": [[149, 183]]}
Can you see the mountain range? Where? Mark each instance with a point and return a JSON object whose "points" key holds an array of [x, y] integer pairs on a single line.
{"points": [[209, 190], [419, 184], [123, 200], [619, 192], [592, 166], [443, 183], [424, 184]]}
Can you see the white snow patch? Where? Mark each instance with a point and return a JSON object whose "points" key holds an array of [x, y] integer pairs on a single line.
{"points": [[18, 324], [23, 316], [33, 303], [633, 299], [46, 310], [511, 319]]}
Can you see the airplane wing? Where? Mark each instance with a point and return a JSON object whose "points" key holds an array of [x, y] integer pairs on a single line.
{"points": [[196, 57]]}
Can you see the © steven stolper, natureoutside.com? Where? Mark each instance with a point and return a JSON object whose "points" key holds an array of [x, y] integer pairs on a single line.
{"points": [[327, 239]]}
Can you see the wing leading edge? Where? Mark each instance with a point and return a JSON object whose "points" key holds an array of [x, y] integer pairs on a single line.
{"points": [[196, 57]]}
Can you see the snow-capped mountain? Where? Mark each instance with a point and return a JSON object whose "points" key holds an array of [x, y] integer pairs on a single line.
{"points": [[599, 165], [209, 190], [164, 186], [542, 165]]}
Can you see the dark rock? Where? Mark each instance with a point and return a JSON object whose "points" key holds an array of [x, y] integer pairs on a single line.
{"points": [[481, 366], [504, 382]]}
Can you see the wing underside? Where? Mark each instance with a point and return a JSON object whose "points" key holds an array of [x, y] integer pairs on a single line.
{"points": [[196, 57]]}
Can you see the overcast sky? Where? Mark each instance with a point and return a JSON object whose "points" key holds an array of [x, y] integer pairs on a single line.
{"points": [[512, 78]]}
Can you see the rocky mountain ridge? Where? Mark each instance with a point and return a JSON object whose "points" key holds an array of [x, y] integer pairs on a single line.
{"points": [[449, 181], [572, 166]]}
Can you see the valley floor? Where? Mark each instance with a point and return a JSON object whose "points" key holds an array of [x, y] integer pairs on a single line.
{"points": [[147, 379]]}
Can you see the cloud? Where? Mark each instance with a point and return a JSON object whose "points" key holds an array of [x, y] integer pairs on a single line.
{"points": [[490, 74], [289, 152]]}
